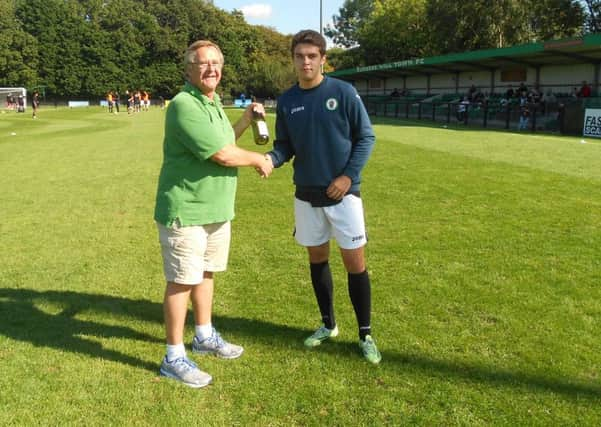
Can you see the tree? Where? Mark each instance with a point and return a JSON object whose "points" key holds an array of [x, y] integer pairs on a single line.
{"points": [[554, 19], [478, 24], [271, 67], [349, 22], [481, 24], [18, 50], [84, 48], [340, 59], [395, 30], [592, 10]]}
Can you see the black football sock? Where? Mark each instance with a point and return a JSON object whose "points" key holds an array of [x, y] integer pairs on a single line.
{"points": [[321, 277], [359, 289]]}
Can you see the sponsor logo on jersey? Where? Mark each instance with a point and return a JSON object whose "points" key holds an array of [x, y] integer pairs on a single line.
{"points": [[331, 104], [357, 238], [297, 109]]}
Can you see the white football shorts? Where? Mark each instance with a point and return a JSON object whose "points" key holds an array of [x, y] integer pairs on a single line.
{"points": [[343, 221]]}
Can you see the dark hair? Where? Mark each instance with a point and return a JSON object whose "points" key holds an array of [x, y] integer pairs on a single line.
{"points": [[309, 37]]}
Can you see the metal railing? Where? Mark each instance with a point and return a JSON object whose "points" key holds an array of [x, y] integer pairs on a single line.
{"points": [[493, 115]]}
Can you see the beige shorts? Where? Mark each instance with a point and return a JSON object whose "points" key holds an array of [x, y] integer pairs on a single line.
{"points": [[190, 251]]}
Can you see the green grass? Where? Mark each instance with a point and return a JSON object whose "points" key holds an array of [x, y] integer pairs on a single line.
{"points": [[485, 261]]}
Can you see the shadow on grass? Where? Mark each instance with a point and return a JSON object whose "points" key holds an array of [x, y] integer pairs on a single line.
{"points": [[475, 373], [22, 320]]}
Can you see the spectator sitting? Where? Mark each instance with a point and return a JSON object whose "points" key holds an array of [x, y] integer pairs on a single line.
{"points": [[585, 90], [536, 94], [395, 93], [547, 100], [509, 93], [522, 88], [575, 93], [524, 95], [549, 96]]}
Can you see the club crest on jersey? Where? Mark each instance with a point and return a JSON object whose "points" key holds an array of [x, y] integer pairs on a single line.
{"points": [[331, 104]]}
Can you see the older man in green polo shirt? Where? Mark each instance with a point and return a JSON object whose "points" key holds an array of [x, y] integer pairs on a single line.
{"points": [[194, 207]]}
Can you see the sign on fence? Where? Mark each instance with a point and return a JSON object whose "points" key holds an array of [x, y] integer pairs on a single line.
{"points": [[592, 123], [73, 104], [242, 103]]}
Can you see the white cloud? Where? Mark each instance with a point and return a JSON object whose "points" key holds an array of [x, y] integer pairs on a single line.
{"points": [[257, 11]]}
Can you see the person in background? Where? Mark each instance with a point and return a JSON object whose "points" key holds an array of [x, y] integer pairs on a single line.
{"points": [[524, 113], [471, 93], [145, 100], [575, 93], [462, 109], [548, 101], [20, 104], [194, 206], [129, 99], [109, 101], [137, 101], [328, 161], [585, 90], [35, 103]]}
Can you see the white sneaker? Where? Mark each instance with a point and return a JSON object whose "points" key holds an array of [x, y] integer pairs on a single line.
{"points": [[186, 371], [217, 346]]}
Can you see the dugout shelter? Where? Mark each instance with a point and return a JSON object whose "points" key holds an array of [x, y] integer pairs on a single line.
{"points": [[433, 87]]}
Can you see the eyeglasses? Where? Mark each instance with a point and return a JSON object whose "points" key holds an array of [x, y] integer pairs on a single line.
{"points": [[204, 65]]}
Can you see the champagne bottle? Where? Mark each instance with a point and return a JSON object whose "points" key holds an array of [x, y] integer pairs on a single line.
{"points": [[260, 130]]}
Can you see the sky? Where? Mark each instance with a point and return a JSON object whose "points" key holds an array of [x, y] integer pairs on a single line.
{"points": [[286, 16]]}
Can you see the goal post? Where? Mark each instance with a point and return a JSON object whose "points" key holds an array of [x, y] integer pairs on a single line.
{"points": [[13, 97]]}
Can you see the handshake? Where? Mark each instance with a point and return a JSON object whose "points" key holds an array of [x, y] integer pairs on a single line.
{"points": [[264, 165]]}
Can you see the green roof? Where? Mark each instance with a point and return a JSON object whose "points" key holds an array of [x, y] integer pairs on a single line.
{"points": [[585, 49]]}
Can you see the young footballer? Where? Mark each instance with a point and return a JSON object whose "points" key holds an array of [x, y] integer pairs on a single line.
{"points": [[322, 123]]}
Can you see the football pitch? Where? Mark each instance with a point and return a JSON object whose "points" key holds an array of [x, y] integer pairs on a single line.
{"points": [[484, 252]]}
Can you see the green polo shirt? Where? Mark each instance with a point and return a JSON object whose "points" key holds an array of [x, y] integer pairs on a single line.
{"points": [[192, 188]]}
